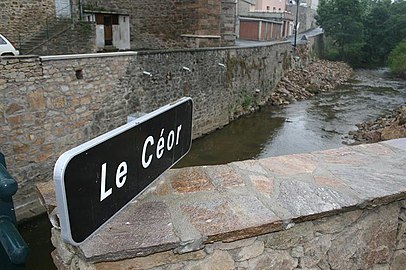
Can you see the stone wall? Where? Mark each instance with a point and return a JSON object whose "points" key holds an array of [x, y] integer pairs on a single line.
{"points": [[51, 104], [80, 37], [227, 22], [159, 24], [303, 211], [370, 239], [47, 107], [306, 17], [20, 19]]}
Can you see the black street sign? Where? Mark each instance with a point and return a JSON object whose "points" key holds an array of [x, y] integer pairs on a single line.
{"points": [[95, 180]]}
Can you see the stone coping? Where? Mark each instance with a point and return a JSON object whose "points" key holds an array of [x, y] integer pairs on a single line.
{"points": [[260, 20], [200, 36], [188, 208], [86, 55]]}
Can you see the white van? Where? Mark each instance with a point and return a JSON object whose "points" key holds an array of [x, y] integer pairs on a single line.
{"points": [[6, 48]]}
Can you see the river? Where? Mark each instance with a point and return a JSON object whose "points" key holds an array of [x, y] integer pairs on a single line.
{"points": [[319, 123]]}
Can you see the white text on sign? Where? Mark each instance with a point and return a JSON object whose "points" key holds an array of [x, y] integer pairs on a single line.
{"points": [[160, 147], [121, 171]]}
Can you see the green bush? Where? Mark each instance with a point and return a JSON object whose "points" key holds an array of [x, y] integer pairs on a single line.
{"points": [[330, 50], [397, 59]]}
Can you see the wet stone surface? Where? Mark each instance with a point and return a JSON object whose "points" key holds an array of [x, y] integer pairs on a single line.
{"points": [[280, 208]]}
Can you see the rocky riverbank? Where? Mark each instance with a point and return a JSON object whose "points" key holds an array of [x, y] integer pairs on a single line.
{"points": [[319, 76], [392, 126]]}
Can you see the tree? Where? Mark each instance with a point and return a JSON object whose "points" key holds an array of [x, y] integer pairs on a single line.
{"points": [[397, 59], [395, 26], [375, 50], [342, 21], [364, 32]]}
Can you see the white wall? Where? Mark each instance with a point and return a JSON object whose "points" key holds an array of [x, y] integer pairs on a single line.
{"points": [[121, 33], [100, 36], [63, 8]]}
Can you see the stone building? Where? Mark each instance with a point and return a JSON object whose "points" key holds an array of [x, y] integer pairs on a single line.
{"points": [[263, 20], [116, 25], [83, 26], [112, 29], [160, 24]]}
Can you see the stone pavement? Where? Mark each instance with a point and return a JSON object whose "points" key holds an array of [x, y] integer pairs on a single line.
{"points": [[187, 209]]}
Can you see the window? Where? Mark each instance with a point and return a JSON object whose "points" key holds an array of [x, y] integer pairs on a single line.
{"points": [[2, 41], [99, 19], [115, 19]]}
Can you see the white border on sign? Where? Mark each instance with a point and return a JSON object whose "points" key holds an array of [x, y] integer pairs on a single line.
{"points": [[65, 158]]}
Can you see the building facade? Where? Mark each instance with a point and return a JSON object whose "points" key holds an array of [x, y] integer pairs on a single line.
{"points": [[270, 5], [121, 24], [264, 20], [158, 24]]}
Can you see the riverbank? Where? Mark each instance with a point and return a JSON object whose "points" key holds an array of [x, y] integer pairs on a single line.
{"points": [[392, 126], [300, 84]]}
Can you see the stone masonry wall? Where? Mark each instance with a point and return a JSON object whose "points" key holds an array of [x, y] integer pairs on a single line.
{"points": [[47, 108], [306, 17], [79, 38], [336, 209], [227, 22], [361, 239], [51, 104], [159, 24], [20, 19]]}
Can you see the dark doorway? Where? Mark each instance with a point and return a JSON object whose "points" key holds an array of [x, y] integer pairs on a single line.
{"points": [[108, 30]]}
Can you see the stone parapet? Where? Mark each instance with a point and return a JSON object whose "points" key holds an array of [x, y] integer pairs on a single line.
{"points": [[337, 209]]}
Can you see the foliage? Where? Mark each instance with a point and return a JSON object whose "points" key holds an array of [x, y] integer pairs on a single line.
{"points": [[248, 101], [341, 20], [375, 50], [363, 31], [330, 50], [397, 59], [395, 25]]}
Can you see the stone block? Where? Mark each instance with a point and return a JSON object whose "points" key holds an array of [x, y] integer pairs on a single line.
{"points": [[235, 244], [13, 108], [292, 165], [223, 176], [64, 252], [310, 199], [189, 180], [144, 229], [36, 100], [249, 252], [315, 251], [370, 241], [219, 260], [336, 224], [213, 217], [274, 259], [263, 184], [296, 236], [152, 261], [399, 260]]}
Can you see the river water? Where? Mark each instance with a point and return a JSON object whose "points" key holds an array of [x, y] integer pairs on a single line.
{"points": [[319, 123]]}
